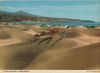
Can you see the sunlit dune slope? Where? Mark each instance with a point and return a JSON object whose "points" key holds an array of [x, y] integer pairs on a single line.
{"points": [[92, 32], [87, 57], [72, 33], [12, 36]]}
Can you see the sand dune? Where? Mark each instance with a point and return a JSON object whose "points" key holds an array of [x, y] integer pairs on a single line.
{"points": [[4, 35], [30, 32], [87, 57], [11, 46], [64, 57], [72, 33], [93, 32], [15, 56], [18, 56], [12, 36], [78, 50]]}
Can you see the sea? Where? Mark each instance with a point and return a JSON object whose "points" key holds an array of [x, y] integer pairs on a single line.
{"points": [[61, 23]]}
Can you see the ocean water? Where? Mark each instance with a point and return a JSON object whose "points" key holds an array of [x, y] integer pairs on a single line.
{"points": [[63, 23]]}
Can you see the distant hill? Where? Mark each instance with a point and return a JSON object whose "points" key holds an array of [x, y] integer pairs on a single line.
{"points": [[24, 13], [24, 16], [13, 17]]}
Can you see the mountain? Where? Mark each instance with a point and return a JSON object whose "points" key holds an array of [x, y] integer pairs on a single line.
{"points": [[24, 13], [24, 16], [15, 16]]}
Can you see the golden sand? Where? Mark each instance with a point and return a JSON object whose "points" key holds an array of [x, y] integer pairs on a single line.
{"points": [[79, 50]]}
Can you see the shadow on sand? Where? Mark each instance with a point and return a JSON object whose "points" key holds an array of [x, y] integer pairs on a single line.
{"points": [[57, 41], [48, 39]]}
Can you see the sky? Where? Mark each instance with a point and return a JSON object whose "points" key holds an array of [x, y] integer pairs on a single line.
{"points": [[75, 9]]}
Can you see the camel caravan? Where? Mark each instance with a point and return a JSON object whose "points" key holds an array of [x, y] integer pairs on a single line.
{"points": [[45, 34]]}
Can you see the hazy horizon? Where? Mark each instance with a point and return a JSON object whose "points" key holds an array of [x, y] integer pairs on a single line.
{"points": [[74, 9]]}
